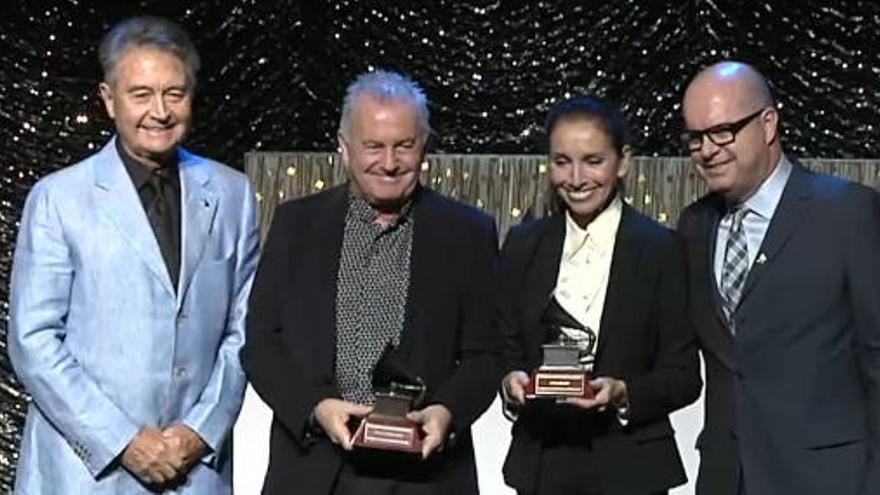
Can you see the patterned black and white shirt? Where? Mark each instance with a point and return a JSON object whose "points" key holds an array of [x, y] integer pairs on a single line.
{"points": [[371, 294]]}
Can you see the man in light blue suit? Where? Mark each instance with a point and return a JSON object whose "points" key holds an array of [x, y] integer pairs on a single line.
{"points": [[129, 289]]}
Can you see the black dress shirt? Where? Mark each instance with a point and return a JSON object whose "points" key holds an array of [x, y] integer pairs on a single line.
{"points": [[159, 191]]}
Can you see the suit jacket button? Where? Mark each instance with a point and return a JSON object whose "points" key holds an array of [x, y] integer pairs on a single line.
{"points": [[179, 371]]}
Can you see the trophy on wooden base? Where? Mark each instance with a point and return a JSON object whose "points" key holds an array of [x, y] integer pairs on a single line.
{"points": [[568, 358], [397, 391]]}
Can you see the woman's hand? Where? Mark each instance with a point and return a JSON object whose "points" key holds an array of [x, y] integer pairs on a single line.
{"points": [[608, 392], [514, 387]]}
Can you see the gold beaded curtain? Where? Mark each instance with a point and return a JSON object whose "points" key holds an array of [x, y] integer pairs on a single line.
{"points": [[509, 187]]}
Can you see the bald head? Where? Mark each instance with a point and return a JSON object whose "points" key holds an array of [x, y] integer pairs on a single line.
{"points": [[739, 84], [732, 128]]}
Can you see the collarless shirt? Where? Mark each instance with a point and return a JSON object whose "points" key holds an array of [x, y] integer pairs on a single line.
{"points": [[761, 206]]}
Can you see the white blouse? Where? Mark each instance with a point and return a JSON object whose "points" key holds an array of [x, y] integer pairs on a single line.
{"points": [[585, 267]]}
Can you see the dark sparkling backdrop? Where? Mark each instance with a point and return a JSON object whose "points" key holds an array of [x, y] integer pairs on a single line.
{"points": [[274, 73]]}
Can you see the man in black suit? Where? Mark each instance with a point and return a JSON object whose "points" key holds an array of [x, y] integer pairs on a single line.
{"points": [[346, 272], [785, 293]]}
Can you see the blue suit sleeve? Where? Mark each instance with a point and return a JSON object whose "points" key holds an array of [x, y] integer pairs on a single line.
{"points": [[213, 415], [42, 274]]}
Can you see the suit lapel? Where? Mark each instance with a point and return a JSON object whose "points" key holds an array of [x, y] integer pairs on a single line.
{"points": [[428, 246], [540, 280], [715, 331], [323, 269], [120, 203], [713, 218], [197, 210], [545, 270], [622, 279], [712, 327], [541, 270], [791, 209]]}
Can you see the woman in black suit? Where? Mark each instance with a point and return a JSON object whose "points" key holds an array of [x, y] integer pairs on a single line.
{"points": [[617, 275]]}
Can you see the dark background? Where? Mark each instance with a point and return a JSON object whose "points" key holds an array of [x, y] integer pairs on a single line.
{"points": [[274, 74]]}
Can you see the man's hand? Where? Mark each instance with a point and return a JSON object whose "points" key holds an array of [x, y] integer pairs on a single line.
{"points": [[514, 386], [608, 392], [150, 458], [333, 416], [435, 421], [185, 445]]}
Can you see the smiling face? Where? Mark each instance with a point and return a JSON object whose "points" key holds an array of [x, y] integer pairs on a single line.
{"points": [[149, 98], [722, 95], [382, 150], [585, 167]]}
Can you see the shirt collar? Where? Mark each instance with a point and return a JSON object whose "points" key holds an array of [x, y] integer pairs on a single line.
{"points": [[599, 233], [140, 174], [765, 199], [364, 212]]}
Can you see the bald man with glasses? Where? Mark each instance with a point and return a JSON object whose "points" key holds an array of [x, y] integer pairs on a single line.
{"points": [[784, 268]]}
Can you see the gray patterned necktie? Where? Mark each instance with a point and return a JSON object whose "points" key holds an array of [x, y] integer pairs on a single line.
{"points": [[736, 264]]}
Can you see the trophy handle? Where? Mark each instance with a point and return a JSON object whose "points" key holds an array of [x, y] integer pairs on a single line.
{"points": [[417, 390]]}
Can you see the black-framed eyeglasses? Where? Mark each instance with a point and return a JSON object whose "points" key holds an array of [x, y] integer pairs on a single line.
{"points": [[720, 134]]}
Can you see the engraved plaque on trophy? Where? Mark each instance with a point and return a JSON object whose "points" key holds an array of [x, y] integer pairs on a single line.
{"points": [[567, 359], [397, 391]]}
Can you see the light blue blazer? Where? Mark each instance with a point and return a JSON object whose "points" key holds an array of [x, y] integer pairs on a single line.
{"points": [[103, 342]]}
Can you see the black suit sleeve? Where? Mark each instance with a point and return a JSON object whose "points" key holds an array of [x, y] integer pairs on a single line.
{"points": [[863, 275], [674, 380], [276, 377], [471, 388], [511, 264]]}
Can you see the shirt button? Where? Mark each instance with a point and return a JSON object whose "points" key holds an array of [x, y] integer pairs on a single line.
{"points": [[179, 371], [181, 317]]}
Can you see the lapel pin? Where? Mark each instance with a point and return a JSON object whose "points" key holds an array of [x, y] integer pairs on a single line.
{"points": [[762, 258]]}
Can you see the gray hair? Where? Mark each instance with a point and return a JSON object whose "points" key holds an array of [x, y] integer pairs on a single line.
{"points": [[150, 31], [385, 85]]}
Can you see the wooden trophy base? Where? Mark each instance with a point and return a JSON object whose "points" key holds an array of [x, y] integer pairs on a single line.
{"points": [[382, 432], [559, 384]]}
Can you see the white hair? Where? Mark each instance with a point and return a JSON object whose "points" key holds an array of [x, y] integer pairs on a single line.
{"points": [[385, 85]]}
